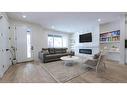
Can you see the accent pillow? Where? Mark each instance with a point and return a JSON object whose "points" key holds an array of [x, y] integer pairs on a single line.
{"points": [[45, 51], [64, 51], [58, 51], [51, 50]]}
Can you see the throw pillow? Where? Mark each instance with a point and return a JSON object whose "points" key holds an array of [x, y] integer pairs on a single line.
{"points": [[51, 50], [45, 51]]}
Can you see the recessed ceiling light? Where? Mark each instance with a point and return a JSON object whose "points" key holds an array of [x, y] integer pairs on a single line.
{"points": [[99, 20], [24, 16], [53, 27]]}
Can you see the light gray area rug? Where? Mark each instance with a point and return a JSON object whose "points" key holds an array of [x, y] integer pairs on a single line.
{"points": [[64, 73]]}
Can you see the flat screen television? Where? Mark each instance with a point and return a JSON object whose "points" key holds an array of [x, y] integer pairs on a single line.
{"points": [[85, 38], [125, 43]]}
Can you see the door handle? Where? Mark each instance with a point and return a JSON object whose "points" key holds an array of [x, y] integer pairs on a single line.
{"points": [[7, 49], [32, 48]]}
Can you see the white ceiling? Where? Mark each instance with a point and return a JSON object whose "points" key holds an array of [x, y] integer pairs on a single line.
{"points": [[65, 21]]}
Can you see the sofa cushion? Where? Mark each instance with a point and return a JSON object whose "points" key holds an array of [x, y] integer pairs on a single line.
{"points": [[53, 56], [64, 50], [51, 50], [64, 54], [58, 50], [45, 51], [56, 55]]}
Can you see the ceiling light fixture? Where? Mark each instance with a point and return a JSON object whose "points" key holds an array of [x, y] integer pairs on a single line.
{"points": [[24, 16], [53, 27], [99, 20]]}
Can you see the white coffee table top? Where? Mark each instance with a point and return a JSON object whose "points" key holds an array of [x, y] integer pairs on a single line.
{"points": [[69, 58]]}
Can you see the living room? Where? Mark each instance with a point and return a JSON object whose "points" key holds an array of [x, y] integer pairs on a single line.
{"points": [[61, 47], [29, 34]]}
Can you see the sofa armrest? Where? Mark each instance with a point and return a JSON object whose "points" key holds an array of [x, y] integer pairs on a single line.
{"points": [[41, 56]]}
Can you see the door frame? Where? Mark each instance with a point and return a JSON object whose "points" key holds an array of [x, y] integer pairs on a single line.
{"points": [[18, 48]]}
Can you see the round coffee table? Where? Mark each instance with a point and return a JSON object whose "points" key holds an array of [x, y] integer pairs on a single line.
{"points": [[69, 61]]}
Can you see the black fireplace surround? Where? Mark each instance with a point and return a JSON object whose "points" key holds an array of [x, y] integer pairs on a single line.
{"points": [[85, 51]]}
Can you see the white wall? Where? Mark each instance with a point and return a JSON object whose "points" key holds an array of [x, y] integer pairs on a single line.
{"points": [[111, 26], [122, 39], [39, 35], [126, 38], [94, 45]]}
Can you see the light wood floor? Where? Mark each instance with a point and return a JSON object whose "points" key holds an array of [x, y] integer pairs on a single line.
{"points": [[32, 72]]}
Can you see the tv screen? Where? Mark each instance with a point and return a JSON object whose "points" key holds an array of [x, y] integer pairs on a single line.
{"points": [[125, 43], [85, 38]]}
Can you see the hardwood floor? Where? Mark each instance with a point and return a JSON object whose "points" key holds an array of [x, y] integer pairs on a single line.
{"points": [[27, 73], [115, 73], [33, 72]]}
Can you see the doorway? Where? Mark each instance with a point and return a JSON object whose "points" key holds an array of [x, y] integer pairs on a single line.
{"points": [[24, 50]]}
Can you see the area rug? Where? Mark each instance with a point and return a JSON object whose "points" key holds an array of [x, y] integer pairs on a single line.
{"points": [[64, 73]]}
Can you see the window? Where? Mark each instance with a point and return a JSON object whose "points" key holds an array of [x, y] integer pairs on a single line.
{"points": [[56, 41], [50, 40], [28, 45]]}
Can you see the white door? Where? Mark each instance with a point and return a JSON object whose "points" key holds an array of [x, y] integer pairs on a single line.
{"points": [[5, 61], [23, 41]]}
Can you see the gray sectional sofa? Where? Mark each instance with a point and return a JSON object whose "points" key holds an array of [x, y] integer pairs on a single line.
{"points": [[53, 54]]}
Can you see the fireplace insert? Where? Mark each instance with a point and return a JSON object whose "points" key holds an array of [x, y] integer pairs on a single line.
{"points": [[85, 51]]}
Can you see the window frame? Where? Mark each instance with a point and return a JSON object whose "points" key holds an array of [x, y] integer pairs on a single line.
{"points": [[52, 35]]}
